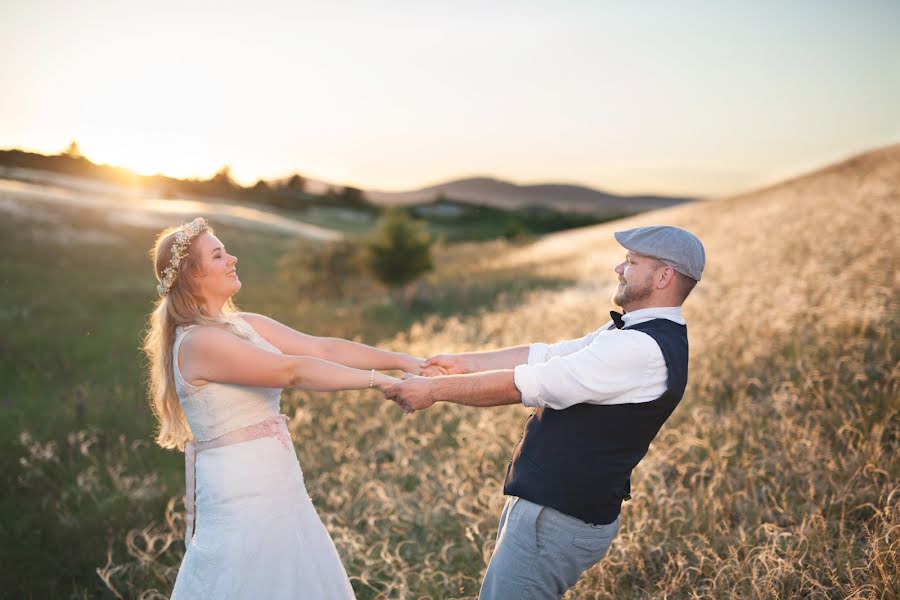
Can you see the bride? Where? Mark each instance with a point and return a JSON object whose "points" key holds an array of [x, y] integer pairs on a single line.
{"points": [[216, 376]]}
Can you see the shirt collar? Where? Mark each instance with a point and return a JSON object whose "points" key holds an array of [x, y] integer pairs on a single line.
{"points": [[672, 313]]}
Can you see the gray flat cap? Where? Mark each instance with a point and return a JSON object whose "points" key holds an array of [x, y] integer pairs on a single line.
{"points": [[679, 249]]}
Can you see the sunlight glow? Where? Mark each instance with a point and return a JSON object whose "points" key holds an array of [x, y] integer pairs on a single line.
{"points": [[642, 97]]}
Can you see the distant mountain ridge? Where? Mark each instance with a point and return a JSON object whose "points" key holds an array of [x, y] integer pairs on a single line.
{"points": [[504, 194], [79, 171]]}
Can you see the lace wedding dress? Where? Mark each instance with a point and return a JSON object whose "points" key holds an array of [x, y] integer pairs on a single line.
{"points": [[257, 532]]}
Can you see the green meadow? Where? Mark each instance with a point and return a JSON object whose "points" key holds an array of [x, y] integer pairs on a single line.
{"points": [[72, 316]]}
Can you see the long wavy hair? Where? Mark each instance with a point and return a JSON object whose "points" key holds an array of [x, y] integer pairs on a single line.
{"points": [[182, 305]]}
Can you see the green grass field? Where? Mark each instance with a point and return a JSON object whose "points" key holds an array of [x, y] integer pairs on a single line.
{"points": [[72, 316]]}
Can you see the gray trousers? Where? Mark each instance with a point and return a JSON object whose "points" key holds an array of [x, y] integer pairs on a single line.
{"points": [[541, 552]]}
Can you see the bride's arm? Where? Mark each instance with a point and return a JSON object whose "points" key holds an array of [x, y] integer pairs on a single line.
{"points": [[345, 352], [212, 354]]}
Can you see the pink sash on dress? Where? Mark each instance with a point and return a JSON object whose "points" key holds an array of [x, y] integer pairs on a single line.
{"points": [[275, 427]]}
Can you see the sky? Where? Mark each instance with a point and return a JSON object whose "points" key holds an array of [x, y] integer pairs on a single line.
{"points": [[692, 97]]}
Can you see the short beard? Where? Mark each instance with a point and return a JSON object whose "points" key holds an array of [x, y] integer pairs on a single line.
{"points": [[632, 295]]}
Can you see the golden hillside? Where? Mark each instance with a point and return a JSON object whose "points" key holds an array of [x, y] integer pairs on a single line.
{"points": [[777, 477], [779, 473]]}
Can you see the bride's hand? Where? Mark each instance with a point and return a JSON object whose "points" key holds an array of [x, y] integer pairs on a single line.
{"points": [[383, 382], [411, 364]]}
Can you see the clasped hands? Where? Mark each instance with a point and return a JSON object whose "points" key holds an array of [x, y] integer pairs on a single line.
{"points": [[417, 391]]}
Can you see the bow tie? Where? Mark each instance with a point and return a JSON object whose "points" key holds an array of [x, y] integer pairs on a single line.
{"points": [[617, 319]]}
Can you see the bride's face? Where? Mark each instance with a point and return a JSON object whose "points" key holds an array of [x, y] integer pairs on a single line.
{"points": [[217, 276]]}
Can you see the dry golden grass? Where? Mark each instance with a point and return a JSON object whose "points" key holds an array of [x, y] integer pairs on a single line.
{"points": [[777, 477]]}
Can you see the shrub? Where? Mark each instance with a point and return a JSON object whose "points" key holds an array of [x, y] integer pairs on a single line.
{"points": [[399, 250]]}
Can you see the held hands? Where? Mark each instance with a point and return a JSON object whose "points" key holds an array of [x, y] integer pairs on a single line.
{"points": [[416, 391], [446, 364], [412, 394], [412, 364], [383, 382]]}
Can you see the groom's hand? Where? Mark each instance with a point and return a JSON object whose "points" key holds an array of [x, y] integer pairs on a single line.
{"points": [[412, 394], [446, 364]]}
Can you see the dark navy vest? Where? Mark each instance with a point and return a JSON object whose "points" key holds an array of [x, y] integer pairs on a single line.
{"points": [[579, 460]]}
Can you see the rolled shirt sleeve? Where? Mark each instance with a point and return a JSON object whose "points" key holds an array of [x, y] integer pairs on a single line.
{"points": [[609, 368], [539, 353]]}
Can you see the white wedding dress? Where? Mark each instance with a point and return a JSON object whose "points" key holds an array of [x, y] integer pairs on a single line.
{"points": [[257, 532]]}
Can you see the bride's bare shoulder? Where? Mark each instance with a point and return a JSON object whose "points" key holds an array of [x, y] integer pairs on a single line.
{"points": [[254, 319], [265, 326], [204, 336]]}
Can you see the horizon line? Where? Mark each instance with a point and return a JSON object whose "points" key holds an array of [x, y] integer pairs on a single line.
{"points": [[774, 179]]}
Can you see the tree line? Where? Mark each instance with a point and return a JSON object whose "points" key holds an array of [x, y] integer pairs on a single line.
{"points": [[289, 192]]}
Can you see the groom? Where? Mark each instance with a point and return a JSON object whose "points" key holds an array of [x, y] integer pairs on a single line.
{"points": [[599, 401]]}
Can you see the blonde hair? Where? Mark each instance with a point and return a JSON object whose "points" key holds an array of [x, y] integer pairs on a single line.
{"points": [[182, 305]]}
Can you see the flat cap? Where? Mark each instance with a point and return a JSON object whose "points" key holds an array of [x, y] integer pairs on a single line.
{"points": [[679, 249]]}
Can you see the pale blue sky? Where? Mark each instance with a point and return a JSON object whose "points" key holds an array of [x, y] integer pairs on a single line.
{"points": [[681, 97]]}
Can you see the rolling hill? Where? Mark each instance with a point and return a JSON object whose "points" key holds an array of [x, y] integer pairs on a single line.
{"points": [[777, 476], [503, 194]]}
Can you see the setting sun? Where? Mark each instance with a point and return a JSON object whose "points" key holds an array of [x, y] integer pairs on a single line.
{"points": [[152, 155]]}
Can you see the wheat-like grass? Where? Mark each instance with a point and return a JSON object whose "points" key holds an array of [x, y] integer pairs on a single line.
{"points": [[777, 477]]}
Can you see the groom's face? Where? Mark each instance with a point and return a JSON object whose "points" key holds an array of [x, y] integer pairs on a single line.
{"points": [[637, 279]]}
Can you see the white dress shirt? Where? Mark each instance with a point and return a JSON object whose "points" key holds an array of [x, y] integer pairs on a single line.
{"points": [[607, 366]]}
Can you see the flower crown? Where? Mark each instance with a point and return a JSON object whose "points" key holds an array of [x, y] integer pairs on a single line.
{"points": [[183, 238]]}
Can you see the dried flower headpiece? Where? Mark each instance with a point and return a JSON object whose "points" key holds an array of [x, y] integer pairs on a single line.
{"points": [[180, 248]]}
